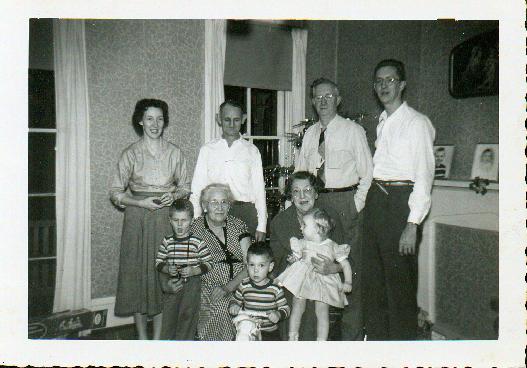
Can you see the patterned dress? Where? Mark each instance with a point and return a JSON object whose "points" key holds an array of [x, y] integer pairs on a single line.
{"points": [[215, 323]]}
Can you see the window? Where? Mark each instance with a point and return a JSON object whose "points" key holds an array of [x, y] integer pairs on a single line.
{"points": [[41, 192], [265, 129]]}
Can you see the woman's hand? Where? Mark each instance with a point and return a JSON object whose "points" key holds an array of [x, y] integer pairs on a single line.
{"points": [[291, 258], [234, 309], [189, 271], [150, 203], [324, 265], [218, 293], [166, 199]]}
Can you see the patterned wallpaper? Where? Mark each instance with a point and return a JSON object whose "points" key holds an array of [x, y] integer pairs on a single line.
{"points": [[129, 60], [424, 46]]}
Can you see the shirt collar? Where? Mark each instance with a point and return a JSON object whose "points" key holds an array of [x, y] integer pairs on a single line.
{"points": [[400, 110], [329, 124]]}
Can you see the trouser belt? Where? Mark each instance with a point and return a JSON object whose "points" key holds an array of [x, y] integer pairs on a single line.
{"points": [[339, 190]]}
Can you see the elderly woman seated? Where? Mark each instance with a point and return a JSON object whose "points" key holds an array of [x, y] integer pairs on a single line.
{"points": [[227, 239], [302, 192]]}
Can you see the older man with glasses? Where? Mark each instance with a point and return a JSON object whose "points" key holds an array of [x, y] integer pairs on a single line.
{"points": [[397, 203], [336, 151]]}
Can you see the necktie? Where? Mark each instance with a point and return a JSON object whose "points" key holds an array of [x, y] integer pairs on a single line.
{"points": [[322, 153]]}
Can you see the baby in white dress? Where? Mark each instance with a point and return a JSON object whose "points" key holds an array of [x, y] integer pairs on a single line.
{"points": [[305, 283]]}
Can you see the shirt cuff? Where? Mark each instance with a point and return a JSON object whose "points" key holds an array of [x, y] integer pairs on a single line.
{"points": [[414, 218], [283, 314], [160, 266]]}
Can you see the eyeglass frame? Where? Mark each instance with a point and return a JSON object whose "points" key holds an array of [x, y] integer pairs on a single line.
{"points": [[309, 191], [390, 81], [217, 204], [326, 97]]}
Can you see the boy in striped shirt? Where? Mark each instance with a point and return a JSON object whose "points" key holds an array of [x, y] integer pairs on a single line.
{"points": [[257, 293], [181, 259]]}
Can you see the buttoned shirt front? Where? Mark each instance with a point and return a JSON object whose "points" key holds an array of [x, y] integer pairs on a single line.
{"points": [[347, 158], [404, 151], [239, 166]]}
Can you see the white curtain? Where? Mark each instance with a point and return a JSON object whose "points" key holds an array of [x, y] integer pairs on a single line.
{"points": [[215, 43], [296, 99], [73, 278]]}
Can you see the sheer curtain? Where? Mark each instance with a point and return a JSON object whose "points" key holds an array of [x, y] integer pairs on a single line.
{"points": [[295, 100], [73, 278], [215, 43]]}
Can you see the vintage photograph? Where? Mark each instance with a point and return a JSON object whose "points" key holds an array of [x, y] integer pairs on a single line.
{"points": [[244, 179], [486, 160], [443, 160]]}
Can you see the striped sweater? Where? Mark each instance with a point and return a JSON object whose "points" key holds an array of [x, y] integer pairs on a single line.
{"points": [[265, 298], [188, 251]]}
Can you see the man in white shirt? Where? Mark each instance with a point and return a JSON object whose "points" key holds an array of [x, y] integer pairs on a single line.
{"points": [[335, 149], [236, 162], [398, 202]]}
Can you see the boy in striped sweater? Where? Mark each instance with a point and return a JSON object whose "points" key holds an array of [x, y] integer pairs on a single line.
{"points": [[257, 293], [181, 259]]}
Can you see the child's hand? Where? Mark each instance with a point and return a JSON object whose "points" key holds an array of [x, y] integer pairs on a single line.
{"points": [[189, 271], [291, 258], [274, 316], [173, 270], [234, 309], [346, 287]]}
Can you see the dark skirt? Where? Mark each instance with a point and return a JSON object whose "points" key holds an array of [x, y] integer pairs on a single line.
{"points": [[138, 288]]}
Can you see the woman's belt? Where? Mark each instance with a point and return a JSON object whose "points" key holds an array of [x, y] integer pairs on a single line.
{"points": [[147, 194], [338, 190]]}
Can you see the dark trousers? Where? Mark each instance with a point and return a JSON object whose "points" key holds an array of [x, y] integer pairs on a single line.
{"points": [[271, 335], [181, 311], [352, 224], [247, 212], [390, 280]]}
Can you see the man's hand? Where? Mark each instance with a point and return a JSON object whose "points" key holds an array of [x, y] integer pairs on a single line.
{"points": [[234, 309], [259, 236], [408, 239], [274, 316], [189, 271], [324, 265]]}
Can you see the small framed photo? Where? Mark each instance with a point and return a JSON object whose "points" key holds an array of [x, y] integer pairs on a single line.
{"points": [[443, 157], [485, 164]]}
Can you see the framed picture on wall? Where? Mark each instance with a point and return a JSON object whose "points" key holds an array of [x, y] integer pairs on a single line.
{"points": [[485, 164], [443, 157], [474, 67]]}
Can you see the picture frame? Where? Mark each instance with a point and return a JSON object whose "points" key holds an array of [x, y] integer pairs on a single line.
{"points": [[443, 155], [474, 66], [486, 162]]}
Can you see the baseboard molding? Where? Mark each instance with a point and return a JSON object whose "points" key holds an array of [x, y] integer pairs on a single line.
{"points": [[111, 320]]}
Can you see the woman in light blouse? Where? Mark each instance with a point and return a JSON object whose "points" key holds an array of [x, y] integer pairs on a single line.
{"points": [[150, 175]]}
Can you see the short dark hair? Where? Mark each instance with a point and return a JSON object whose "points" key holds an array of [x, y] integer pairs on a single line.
{"points": [[141, 106], [300, 175], [398, 65], [182, 205], [323, 80], [440, 149], [260, 249], [230, 103]]}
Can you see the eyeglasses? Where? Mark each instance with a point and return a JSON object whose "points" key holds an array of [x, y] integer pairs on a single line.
{"points": [[308, 192], [326, 97], [222, 203], [387, 81]]}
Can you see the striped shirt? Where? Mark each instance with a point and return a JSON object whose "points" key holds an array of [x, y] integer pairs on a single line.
{"points": [[188, 251], [265, 298]]}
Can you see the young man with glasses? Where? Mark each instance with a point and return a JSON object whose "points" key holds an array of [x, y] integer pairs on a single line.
{"points": [[236, 162], [397, 203], [336, 151]]}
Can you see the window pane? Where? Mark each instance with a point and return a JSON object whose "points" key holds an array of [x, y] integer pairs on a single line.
{"points": [[41, 287], [270, 160], [263, 112], [239, 95], [41, 99], [41, 157]]}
